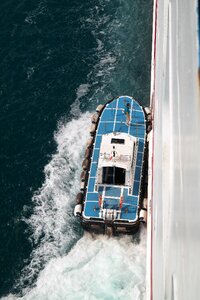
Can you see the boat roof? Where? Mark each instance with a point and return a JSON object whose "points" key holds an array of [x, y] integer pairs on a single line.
{"points": [[117, 144], [113, 120]]}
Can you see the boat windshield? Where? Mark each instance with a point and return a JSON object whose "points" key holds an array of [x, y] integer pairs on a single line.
{"points": [[113, 175]]}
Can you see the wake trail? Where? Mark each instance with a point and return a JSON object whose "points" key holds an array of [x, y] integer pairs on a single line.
{"points": [[64, 263], [97, 267], [54, 229]]}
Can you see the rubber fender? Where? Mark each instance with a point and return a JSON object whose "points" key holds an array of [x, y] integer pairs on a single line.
{"points": [[149, 118], [95, 118], [87, 153], [149, 127], [145, 203], [82, 186], [99, 108], [143, 216], [79, 198], [92, 129], [78, 210], [83, 176], [147, 110], [89, 143], [85, 164]]}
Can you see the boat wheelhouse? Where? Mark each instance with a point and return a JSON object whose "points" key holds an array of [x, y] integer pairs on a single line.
{"points": [[113, 188]]}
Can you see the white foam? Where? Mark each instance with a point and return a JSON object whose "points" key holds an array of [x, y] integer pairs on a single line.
{"points": [[52, 220], [107, 59], [100, 45], [82, 91], [97, 267]]}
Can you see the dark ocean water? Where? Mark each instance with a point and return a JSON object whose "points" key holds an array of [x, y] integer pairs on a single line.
{"points": [[58, 60]]}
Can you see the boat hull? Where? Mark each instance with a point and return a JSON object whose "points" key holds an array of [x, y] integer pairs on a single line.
{"points": [[102, 227], [113, 181]]}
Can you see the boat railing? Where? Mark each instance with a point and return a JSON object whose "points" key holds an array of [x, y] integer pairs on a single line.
{"points": [[132, 173], [115, 157]]}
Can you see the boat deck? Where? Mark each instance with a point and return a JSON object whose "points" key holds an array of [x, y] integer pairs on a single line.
{"points": [[113, 119]]}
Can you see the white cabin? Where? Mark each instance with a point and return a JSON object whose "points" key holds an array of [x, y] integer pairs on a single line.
{"points": [[116, 162]]}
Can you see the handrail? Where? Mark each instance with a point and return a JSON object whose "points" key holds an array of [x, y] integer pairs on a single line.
{"points": [[109, 156]]}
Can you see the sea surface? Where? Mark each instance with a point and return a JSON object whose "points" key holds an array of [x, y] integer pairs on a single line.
{"points": [[58, 61]]}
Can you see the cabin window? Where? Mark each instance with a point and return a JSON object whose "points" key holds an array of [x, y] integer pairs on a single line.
{"points": [[113, 175], [117, 141]]}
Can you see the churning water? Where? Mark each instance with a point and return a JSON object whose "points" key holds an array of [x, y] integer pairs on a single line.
{"points": [[59, 60]]}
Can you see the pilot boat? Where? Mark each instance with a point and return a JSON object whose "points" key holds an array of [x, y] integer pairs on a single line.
{"points": [[113, 196]]}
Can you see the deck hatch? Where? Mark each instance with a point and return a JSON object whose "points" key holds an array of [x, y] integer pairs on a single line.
{"points": [[114, 175]]}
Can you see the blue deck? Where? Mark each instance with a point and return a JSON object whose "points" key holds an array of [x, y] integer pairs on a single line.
{"points": [[113, 119]]}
